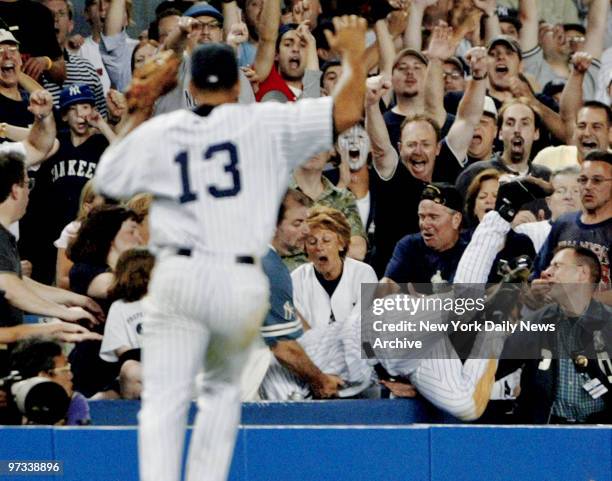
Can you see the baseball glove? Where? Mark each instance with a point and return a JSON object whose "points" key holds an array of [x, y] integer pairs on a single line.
{"points": [[155, 78]]}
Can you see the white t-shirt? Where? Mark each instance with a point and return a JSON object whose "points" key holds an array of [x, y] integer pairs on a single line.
{"points": [[90, 50], [123, 328]]}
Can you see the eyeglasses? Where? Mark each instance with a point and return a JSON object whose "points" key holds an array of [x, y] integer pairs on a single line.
{"points": [[58, 370], [453, 75], [595, 180], [210, 25], [8, 49]]}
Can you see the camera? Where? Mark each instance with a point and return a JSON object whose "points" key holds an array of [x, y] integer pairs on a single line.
{"points": [[37, 398]]}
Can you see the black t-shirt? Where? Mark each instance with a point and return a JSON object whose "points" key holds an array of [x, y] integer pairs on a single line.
{"points": [[54, 202], [33, 26], [397, 201], [394, 126], [16, 112], [329, 286], [9, 262], [64, 175]]}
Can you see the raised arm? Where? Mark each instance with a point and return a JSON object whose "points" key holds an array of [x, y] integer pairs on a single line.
{"points": [[386, 49], [440, 48], [520, 88], [571, 97], [268, 33], [412, 35], [177, 38], [528, 15], [384, 155], [349, 94], [114, 18], [597, 20], [231, 16], [491, 20], [42, 134], [471, 106]]}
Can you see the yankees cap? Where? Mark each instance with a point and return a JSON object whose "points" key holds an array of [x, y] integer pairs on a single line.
{"points": [[214, 67], [76, 94], [445, 194]]}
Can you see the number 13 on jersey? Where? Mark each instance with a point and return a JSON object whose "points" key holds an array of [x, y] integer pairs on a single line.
{"points": [[231, 168]]}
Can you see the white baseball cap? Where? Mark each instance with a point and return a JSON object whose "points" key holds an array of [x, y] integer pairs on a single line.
{"points": [[6, 36], [489, 107]]}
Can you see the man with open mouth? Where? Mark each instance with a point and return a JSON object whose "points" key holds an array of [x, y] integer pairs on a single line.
{"points": [[519, 129]]}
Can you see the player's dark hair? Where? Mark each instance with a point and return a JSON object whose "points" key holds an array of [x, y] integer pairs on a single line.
{"points": [[12, 171], [132, 275], [214, 67], [599, 156], [586, 257], [422, 118], [97, 233], [34, 355], [292, 195], [595, 104]]}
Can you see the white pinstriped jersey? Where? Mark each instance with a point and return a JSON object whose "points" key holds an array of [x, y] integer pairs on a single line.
{"points": [[217, 180]]}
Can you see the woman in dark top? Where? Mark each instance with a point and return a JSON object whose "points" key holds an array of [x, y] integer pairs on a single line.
{"points": [[105, 234], [480, 199]]}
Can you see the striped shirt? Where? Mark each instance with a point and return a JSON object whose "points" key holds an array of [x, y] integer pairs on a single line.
{"points": [[79, 71]]}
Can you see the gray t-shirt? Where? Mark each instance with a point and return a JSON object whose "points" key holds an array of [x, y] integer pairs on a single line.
{"points": [[9, 263], [535, 64]]}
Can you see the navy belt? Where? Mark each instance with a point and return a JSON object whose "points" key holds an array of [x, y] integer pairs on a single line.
{"points": [[183, 251]]}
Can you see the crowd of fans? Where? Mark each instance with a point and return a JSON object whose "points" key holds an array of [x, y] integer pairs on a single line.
{"points": [[468, 101]]}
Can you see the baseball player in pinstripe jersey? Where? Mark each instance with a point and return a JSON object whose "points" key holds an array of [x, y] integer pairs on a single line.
{"points": [[217, 175]]}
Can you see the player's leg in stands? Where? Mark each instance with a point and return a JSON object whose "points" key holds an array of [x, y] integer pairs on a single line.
{"points": [[173, 351], [280, 384]]}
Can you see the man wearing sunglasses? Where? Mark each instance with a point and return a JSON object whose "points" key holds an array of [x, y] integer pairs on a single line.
{"points": [[592, 226]]}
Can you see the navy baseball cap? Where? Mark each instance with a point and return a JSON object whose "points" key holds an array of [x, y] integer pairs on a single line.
{"points": [[445, 194], [204, 10], [76, 94], [214, 67]]}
